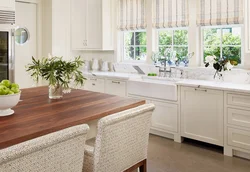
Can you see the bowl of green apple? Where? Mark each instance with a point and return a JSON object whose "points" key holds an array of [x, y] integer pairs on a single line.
{"points": [[9, 97]]}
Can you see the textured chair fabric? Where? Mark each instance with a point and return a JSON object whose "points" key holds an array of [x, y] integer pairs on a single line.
{"points": [[121, 141], [61, 151]]}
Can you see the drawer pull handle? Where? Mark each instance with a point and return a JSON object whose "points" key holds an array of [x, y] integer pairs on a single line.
{"points": [[93, 79], [200, 90], [115, 82]]}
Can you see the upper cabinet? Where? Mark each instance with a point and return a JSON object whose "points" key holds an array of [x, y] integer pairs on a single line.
{"points": [[91, 25], [7, 5]]}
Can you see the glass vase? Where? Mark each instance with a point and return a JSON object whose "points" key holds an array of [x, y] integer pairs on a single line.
{"points": [[55, 92], [219, 76]]}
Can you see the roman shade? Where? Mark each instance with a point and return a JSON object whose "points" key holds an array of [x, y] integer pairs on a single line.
{"points": [[219, 12], [131, 14], [170, 13]]}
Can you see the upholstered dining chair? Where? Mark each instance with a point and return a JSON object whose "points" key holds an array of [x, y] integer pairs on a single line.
{"points": [[61, 151], [121, 142]]}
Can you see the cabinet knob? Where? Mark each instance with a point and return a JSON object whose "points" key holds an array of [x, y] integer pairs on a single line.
{"points": [[93, 84]]}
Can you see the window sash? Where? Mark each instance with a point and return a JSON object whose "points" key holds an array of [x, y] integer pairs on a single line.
{"points": [[132, 46], [221, 46]]}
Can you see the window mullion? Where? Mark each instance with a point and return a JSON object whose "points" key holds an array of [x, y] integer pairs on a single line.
{"points": [[221, 37], [172, 40], [134, 46]]}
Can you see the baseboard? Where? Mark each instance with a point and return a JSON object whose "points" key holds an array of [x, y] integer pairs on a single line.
{"points": [[241, 154], [162, 134]]}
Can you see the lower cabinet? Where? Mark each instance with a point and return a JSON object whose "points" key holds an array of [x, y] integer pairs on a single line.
{"points": [[105, 85], [202, 115], [238, 138], [95, 84], [116, 87], [165, 117]]}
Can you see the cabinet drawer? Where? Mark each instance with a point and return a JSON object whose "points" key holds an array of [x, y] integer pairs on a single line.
{"points": [[238, 117], [239, 138], [96, 85], [116, 87], [238, 100]]}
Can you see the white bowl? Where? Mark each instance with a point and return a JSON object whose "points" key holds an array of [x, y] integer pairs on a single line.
{"points": [[7, 102]]}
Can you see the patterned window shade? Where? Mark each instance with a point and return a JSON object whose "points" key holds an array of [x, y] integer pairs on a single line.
{"points": [[170, 13], [219, 12], [132, 14]]}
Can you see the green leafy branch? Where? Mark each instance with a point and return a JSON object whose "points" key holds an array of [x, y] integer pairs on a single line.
{"points": [[57, 71]]}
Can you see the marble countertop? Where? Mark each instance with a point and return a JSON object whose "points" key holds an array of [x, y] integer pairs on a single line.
{"points": [[218, 85], [115, 75]]}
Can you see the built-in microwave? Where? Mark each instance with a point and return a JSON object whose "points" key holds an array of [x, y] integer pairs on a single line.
{"points": [[7, 53]]}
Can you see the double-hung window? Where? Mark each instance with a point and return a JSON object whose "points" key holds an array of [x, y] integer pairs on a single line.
{"points": [[171, 20], [225, 41], [174, 39], [132, 24], [221, 30], [135, 45]]}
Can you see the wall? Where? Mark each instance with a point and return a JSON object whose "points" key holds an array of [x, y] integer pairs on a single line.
{"points": [[46, 27], [61, 35]]}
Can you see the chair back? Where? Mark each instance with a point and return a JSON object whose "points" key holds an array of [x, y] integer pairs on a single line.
{"points": [[122, 139], [59, 151]]}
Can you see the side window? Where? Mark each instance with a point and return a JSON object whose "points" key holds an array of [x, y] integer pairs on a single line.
{"points": [[135, 46]]}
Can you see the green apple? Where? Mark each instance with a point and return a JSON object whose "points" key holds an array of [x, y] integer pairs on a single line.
{"points": [[15, 90], [3, 90], [10, 92], [14, 85], [7, 83]]}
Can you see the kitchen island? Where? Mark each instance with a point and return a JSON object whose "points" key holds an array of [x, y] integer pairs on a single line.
{"points": [[37, 115]]}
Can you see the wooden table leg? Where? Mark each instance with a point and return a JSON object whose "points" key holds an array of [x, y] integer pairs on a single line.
{"points": [[143, 167]]}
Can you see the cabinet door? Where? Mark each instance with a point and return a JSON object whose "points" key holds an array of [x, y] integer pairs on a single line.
{"points": [[7, 5], [116, 87], [202, 114], [94, 24], [78, 24], [165, 117]]}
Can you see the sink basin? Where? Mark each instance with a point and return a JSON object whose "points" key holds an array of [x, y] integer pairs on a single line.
{"points": [[154, 88]]}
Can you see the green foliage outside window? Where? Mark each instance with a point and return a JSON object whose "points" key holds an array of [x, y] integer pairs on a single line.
{"points": [[135, 45], [222, 40], [177, 40]]}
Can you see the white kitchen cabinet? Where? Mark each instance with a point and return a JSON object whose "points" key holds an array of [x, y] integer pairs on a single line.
{"points": [[7, 5], [202, 115], [165, 117], [95, 84], [237, 124], [116, 87], [91, 25], [239, 138], [164, 121], [78, 24]]}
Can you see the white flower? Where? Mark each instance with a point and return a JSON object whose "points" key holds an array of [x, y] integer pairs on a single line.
{"points": [[229, 66], [49, 56], [210, 59]]}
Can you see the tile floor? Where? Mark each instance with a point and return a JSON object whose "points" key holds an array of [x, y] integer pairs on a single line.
{"points": [[165, 155]]}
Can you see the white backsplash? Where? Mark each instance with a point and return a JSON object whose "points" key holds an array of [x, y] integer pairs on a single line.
{"points": [[236, 75]]}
